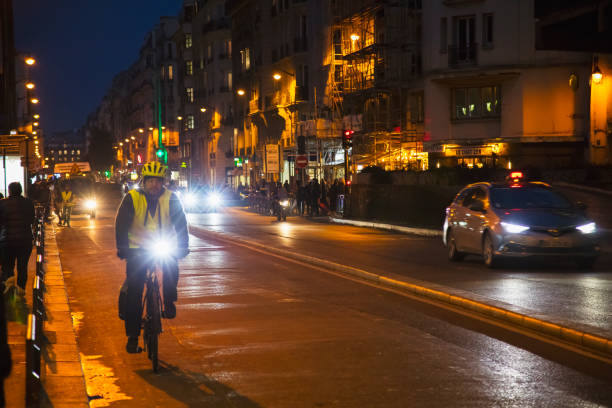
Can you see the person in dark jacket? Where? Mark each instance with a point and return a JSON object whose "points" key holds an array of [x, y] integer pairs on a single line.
{"points": [[5, 353], [16, 221], [143, 215]]}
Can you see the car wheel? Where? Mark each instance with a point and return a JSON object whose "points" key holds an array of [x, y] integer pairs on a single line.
{"points": [[586, 263], [453, 254], [488, 252]]}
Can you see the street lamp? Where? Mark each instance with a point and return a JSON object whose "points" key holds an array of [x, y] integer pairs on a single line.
{"points": [[30, 85], [204, 109], [34, 100], [179, 118], [30, 61], [36, 116], [277, 76], [240, 92]]}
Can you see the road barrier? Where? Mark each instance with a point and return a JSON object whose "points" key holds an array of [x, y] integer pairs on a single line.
{"points": [[34, 336]]}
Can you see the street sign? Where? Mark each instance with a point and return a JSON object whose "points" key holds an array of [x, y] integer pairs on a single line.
{"points": [[301, 161]]}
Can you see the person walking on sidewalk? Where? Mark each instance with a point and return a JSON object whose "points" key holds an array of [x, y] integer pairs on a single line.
{"points": [[68, 199], [142, 217], [16, 221]]}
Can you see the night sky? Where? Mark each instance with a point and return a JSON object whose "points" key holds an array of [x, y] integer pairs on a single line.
{"points": [[80, 45]]}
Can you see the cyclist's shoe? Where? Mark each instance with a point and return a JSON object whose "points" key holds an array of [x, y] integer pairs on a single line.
{"points": [[169, 310], [132, 345]]}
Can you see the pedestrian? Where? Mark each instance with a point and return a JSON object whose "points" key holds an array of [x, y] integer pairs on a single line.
{"points": [[5, 353], [16, 221], [315, 195]]}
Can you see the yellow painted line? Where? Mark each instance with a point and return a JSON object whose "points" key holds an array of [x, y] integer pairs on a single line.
{"points": [[589, 341]]}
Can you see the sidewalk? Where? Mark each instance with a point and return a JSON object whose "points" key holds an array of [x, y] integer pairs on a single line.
{"points": [[63, 383]]}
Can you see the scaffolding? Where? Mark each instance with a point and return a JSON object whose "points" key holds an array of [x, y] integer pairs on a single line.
{"points": [[375, 58]]}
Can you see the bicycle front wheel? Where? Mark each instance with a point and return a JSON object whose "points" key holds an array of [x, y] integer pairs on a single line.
{"points": [[152, 342]]}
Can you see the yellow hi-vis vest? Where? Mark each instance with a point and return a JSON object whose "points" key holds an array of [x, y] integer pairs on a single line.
{"points": [[66, 196], [159, 224]]}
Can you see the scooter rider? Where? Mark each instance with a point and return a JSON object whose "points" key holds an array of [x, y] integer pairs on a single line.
{"points": [[143, 215]]}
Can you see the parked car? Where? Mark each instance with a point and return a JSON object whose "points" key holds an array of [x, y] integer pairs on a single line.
{"points": [[518, 219]]}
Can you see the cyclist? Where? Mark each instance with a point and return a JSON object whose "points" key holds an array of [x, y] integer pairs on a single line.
{"points": [[143, 215]]}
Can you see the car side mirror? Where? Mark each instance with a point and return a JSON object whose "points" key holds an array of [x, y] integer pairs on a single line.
{"points": [[581, 206], [477, 206]]}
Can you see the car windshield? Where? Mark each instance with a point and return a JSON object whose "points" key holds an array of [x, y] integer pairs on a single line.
{"points": [[527, 197]]}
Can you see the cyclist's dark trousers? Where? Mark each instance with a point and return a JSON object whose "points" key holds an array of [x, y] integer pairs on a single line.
{"points": [[136, 271], [21, 254]]}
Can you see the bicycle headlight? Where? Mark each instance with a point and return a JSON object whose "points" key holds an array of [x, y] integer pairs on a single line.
{"points": [[161, 248], [90, 204], [514, 228], [587, 228]]}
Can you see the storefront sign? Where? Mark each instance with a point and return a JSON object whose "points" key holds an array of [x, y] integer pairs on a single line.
{"points": [[272, 159]]}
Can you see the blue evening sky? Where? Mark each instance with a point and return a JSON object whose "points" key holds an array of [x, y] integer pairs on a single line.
{"points": [[80, 45]]}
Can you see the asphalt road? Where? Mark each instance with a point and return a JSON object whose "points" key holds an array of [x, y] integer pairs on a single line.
{"points": [[553, 291], [257, 331]]}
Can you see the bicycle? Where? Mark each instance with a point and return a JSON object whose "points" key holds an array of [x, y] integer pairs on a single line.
{"points": [[152, 322]]}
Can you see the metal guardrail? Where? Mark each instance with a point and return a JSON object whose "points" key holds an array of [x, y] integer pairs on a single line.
{"points": [[34, 336]]}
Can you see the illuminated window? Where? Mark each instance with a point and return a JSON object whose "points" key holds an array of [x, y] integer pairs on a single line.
{"points": [[188, 40], [245, 59], [474, 103], [189, 67], [78, 151], [190, 122], [65, 151], [190, 95], [170, 73]]}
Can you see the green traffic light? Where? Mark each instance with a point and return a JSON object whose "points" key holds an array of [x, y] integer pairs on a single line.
{"points": [[160, 153]]}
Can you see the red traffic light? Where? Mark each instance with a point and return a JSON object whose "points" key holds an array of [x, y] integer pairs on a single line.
{"points": [[348, 133]]}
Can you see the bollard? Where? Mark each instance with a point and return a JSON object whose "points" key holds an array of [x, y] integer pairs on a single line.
{"points": [[38, 300], [33, 384]]}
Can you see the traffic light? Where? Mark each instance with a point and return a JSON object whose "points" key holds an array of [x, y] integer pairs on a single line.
{"points": [[160, 153], [347, 138]]}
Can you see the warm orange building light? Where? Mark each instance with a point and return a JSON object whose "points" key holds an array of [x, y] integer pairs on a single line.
{"points": [[30, 85]]}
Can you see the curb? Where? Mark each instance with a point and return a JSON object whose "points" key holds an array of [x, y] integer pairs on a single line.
{"points": [[390, 227], [594, 343]]}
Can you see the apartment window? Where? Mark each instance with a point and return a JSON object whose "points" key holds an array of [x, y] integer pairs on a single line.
{"points": [[189, 92], [487, 30], [190, 122], [209, 52], [170, 51], [476, 103], [170, 74], [72, 152], [65, 151], [163, 72], [443, 35], [464, 32], [188, 40], [417, 107], [78, 151], [227, 80], [245, 59], [189, 67]]}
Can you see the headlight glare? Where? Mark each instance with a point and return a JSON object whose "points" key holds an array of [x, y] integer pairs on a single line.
{"points": [[189, 199], [514, 228], [90, 204], [587, 228], [214, 199]]}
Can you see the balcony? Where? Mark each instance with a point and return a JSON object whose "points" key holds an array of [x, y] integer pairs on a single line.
{"points": [[463, 55]]}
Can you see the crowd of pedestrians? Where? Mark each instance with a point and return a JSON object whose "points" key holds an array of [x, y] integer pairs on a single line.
{"points": [[308, 198]]}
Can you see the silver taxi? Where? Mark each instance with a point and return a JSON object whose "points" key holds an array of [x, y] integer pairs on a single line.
{"points": [[518, 219]]}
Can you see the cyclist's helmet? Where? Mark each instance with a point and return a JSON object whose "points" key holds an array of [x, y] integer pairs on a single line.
{"points": [[154, 169]]}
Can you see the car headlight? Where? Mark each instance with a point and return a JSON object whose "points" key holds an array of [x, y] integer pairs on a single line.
{"points": [[214, 199], [90, 204], [587, 228], [514, 228], [189, 199], [284, 203]]}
